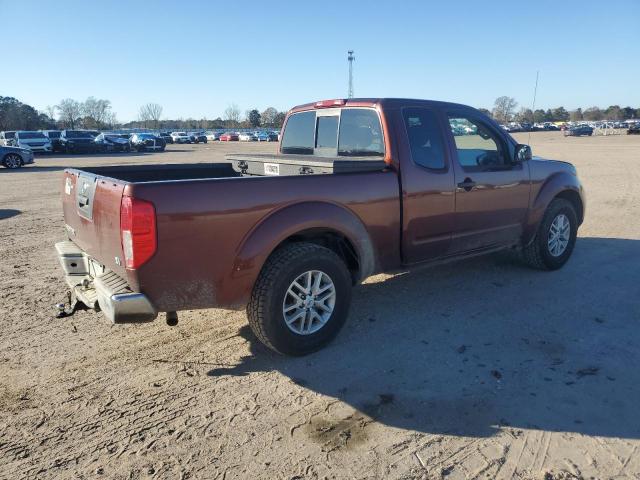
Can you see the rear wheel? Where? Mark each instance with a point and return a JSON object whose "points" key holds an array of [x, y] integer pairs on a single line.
{"points": [[556, 236], [12, 160], [301, 299]]}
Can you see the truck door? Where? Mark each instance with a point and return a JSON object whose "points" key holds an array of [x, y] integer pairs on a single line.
{"points": [[427, 176], [492, 190]]}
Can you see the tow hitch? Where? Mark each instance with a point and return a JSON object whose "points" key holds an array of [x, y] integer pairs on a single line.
{"points": [[70, 306]]}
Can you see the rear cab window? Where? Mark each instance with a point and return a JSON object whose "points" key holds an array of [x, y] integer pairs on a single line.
{"points": [[349, 132], [425, 138]]}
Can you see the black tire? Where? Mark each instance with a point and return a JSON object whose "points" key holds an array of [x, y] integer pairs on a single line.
{"points": [[265, 308], [12, 161], [537, 253]]}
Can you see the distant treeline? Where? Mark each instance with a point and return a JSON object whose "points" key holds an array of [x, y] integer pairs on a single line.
{"points": [[504, 111], [96, 113]]}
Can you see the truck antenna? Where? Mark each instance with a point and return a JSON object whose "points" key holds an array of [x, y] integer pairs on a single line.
{"points": [[533, 104], [350, 59]]}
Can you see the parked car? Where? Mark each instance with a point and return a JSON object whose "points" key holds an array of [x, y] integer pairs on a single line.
{"points": [[266, 136], [112, 142], [290, 249], [166, 136], [15, 157], [34, 141], [213, 136], [578, 131], [77, 141], [54, 138], [634, 129], [180, 137], [198, 137], [246, 137], [229, 137], [147, 141], [7, 138]]}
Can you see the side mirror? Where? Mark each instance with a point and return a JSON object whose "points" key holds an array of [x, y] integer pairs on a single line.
{"points": [[523, 153]]}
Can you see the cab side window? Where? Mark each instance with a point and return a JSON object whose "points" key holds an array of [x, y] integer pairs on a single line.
{"points": [[425, 139], [479, 147]]}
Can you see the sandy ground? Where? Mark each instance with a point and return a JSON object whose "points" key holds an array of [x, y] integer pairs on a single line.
{"points": [[484, 369]]}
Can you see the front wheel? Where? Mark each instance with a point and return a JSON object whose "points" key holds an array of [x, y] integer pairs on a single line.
{"points": [[301, 299], [556, 236], [12, 161]]}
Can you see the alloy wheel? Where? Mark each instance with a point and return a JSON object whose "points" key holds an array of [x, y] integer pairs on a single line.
{"points": [[309, 302]]}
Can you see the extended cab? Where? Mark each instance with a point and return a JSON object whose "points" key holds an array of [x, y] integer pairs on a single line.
{"points": [[359, 186]]}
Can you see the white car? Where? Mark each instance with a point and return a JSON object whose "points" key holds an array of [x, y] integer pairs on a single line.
{"points": [[180, 137], [34, 141], [7, 138], [246, 137]]}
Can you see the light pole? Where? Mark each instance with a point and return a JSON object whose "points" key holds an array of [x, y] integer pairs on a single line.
{"points": [[350, 58]]}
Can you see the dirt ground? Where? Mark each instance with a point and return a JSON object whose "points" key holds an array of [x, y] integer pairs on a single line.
{"points": [[484, 369]]}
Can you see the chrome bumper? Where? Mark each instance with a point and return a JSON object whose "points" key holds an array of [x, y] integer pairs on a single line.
{"points": [[101, 289]]}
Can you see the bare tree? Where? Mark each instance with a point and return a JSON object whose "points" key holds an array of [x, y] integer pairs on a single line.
{"points": [[268, 117], [51, 111], [110, 120], [232, 114], [150, 112], [96, 111], [70, 112], [503, 109]]}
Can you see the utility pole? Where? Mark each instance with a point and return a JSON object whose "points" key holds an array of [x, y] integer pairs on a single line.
{"points": [[350, 58]]}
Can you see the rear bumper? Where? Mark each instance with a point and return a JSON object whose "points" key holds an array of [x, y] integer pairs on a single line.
{"points": [[101, 289]]}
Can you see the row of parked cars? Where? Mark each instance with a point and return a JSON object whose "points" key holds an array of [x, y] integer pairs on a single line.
{"points": [[204, 137], [572, 128], [81, 141]]}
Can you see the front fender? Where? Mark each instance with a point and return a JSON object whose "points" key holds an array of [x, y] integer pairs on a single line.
{"points": [[548, 189], [290, 220]]}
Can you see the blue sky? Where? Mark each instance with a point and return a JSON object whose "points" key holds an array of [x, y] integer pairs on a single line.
{"points": [[196, 58]]}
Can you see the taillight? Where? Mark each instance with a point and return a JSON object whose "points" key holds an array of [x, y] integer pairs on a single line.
{"points": [[338, 102], [137, 231]]}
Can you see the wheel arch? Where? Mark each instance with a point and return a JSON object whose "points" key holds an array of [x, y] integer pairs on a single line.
{"points": [[323, 223], [560, 185]]}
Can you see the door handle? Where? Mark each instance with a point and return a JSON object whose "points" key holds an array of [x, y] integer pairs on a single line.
{"points": [[467, 185]]}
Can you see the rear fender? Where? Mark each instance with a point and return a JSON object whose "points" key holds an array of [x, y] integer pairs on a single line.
{"points": [[558, 184], [269, 233]]}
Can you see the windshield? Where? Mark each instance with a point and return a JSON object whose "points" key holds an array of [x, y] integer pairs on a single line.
{"points": [[31, 135], [53, 134], [78, 134], [145, 135]]}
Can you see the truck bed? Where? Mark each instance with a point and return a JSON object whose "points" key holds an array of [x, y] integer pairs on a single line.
{"points": [[164, 173], [205, 216]]}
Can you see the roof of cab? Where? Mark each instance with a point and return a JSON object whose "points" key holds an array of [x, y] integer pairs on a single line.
{"points": [[384, 102]]}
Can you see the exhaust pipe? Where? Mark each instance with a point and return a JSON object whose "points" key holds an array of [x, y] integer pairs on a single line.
{"points": [[172, 319]]}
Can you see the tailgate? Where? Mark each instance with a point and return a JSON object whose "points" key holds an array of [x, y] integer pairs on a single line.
{"points": [[91, 206]]}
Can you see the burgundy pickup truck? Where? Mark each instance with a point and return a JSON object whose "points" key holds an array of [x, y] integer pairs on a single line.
{"points": [[359, 186]]}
